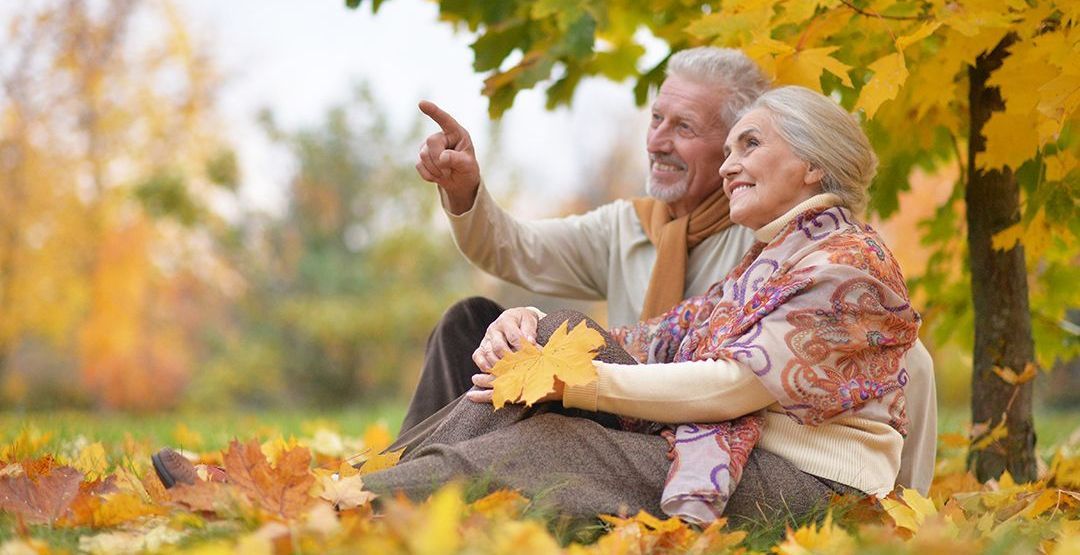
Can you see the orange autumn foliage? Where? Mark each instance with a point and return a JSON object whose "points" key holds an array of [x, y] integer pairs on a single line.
{"points": [[283, 489]]}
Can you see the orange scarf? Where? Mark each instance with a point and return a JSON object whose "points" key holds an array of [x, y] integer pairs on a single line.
{"points": [[673, 239]]}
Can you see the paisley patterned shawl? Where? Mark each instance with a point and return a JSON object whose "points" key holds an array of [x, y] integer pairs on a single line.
{"points": [[820, 314]]}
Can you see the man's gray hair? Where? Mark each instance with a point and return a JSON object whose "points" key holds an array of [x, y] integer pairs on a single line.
{"points": [[823, 134], [738, 78]]}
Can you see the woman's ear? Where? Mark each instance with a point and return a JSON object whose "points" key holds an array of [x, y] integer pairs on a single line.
{"points": [[814, 175]]}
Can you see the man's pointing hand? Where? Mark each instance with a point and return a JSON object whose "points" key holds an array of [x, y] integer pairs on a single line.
{"points": [[447, 158]]}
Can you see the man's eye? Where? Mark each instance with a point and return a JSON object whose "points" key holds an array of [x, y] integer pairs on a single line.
{"points": [[752, 142]]}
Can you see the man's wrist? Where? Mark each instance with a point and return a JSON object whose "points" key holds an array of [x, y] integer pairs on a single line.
{"points": [[458, 204]]}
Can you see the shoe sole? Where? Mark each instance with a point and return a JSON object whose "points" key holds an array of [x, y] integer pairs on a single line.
{"points": [[162, 471]]}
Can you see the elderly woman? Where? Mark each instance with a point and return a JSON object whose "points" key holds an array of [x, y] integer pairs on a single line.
{"points": [[779, 387]]}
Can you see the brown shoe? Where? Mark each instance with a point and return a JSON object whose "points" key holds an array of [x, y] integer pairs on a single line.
{"points": [[173, 468]]}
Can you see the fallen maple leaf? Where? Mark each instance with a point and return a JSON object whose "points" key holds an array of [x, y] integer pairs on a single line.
{"points": [[151, 538], [154, 488], [200, 496], [281, 489], [120, 507], [912, 512], [41, 466], [526, 536], [505, 503], [82, 507], [380, 461], [345, 488], [29, 441], [40, 499], [529, 374], [437, 530], [810, 538], [377, 437], [654, 534], [92, 462]]}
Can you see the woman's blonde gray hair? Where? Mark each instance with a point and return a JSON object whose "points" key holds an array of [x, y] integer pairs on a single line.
{"points": [[826, 136], [729, 70]]}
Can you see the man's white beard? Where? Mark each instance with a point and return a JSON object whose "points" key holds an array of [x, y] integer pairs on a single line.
{"points": [[667, 193]]}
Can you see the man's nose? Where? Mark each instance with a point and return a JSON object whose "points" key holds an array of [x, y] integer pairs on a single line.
{"points": [[658, 140]]}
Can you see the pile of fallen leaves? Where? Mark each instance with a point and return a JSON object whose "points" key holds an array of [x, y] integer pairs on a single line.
{"points": [[305, 496]]}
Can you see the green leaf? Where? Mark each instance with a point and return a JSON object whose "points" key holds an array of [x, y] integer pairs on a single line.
{"points": [[223, 170], [498, 42], [474, 13], [165, 195], [650, 79], [562, 91], [566, 12], [617, 64], [579, 39]]}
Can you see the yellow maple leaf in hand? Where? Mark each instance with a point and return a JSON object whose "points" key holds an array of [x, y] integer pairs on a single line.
{"points": [[529, 374]]}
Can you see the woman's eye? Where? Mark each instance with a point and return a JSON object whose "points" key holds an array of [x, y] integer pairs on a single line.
{"points": [[752, 142]]}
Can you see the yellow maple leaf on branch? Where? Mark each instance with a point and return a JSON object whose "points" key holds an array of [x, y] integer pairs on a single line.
{"points": [[529, 374], [890, 73]]}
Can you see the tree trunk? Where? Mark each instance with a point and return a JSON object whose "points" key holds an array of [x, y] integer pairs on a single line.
{"points": [[1000, 297]]}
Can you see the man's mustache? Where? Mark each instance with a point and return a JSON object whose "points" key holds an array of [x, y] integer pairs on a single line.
{"points": [[669, 159]]}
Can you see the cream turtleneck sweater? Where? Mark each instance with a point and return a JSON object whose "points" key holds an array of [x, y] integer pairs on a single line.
{"points": [[854, 451]]}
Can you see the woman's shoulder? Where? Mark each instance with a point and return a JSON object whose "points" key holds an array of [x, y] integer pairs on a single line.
{"points": [[858, 246]]}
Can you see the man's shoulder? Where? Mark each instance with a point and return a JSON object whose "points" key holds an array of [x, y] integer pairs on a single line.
{"points": [[617, 214]]}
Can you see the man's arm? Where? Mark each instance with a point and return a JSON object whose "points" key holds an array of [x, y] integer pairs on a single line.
{"points": [[565, 257]]}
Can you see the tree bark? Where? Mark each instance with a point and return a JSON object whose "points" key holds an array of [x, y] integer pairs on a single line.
{"points": [[999, 294]]}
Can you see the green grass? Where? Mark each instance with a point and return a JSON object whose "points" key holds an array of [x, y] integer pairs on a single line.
{"points": [[215, 428], [1053, 427]]}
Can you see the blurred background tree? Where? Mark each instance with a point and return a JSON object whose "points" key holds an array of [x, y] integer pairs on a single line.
{"points": [[130, 275], [104, 152], [345, 286]]}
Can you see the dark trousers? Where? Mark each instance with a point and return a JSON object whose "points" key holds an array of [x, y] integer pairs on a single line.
{"points": [[448, 367]]}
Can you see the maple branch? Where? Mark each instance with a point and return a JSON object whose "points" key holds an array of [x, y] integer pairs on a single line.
{"points": [[869, 13]]}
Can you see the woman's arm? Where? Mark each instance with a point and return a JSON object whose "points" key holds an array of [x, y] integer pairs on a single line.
{"points": [[699, 391]]}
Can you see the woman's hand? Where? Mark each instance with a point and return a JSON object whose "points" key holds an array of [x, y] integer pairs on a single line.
{"points": [[483, 391], [506, 334]]}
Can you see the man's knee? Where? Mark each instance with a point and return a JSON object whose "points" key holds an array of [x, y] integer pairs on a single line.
{"points": [[472, 308], [610, 352]]}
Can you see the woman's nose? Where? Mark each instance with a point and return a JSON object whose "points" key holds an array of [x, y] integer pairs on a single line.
{"points": [[729, 168]]}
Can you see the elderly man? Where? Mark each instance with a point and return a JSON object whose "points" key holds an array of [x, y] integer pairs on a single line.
{"points": [[642, 256]]}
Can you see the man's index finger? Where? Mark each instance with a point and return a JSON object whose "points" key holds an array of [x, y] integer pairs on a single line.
{"points": [[449, 125]]}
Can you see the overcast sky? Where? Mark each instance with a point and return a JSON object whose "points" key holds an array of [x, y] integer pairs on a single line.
{"points": [[297, 58]]}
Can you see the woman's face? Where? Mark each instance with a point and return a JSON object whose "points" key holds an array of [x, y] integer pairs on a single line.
{"points": [[763, 178]]}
